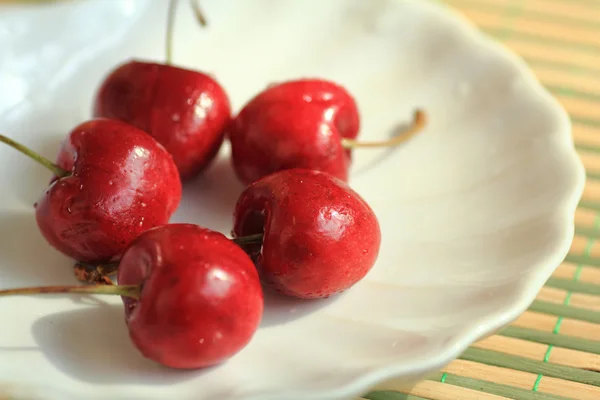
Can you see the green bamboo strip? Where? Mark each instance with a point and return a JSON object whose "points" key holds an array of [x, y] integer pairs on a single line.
{"points": [[390, 395], [587, 148], [586, 121], [589, 205], [574, 286], [594, 176], [566, 303], [497, 359], [496, 388], [562, 310], [582, 259], [531, 14], [511, 14], [549, 338], [561, 66], [573, 92], [587, 231], [498, 32]]}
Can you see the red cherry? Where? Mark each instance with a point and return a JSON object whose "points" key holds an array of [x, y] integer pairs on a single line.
{"points": [[306, 123], [201, 300], [192, 297], [186, 111], [319, 236], [294, 124], [112, 183]]}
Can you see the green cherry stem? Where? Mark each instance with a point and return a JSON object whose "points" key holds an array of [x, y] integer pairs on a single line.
{"points": [[250, 239], [132, 291], [198, 13], [58, 171], [170, 30], [171, 13], [419, 121]]}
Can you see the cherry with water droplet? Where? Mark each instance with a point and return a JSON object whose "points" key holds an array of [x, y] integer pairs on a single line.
{"points": [[192, 297], [304, 123], [306, 231], [186, 111], [105, 171]]}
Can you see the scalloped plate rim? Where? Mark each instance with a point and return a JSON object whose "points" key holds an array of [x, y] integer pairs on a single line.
{"points": [[529, 288], [488, 325]]}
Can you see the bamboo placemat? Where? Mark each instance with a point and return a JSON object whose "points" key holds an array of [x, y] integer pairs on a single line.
{"points": [[553, 350]]}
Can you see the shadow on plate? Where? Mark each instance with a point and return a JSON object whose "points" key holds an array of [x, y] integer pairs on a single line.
{"points": [[27, 259], [280, 309], [92, 345], [387, 152], [209, 200]]}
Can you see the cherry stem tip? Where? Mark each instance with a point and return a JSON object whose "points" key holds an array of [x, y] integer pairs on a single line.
{"points": [[419, 122]]}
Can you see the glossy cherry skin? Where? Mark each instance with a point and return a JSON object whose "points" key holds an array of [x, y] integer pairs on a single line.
{"points": [[186, 111], [320, 237], [201, 300], [122, 183], [295, 124]]}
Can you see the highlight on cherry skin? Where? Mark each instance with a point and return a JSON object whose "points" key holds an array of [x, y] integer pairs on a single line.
{"points": [[302, 123], [319, 237], [102, 195], [192, 297], [184, 110]]}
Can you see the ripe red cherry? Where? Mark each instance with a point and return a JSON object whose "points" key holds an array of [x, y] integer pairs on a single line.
{"points": [[294, 124], [305, 123], [186, 111], [201, 299], [192, 297], [319, 237], [112, 182]]}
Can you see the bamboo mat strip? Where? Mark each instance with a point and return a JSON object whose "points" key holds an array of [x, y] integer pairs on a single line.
{"points": [[549, 338], [552, 351]]}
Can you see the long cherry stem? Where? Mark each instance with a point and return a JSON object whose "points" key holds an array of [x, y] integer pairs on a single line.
{"points": [[419, 121], [171, 13], [250, 239], [58, 171], [170, 30], [132, 291]]}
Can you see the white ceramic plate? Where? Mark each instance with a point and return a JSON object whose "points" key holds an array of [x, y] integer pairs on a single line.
{"points": [[476, 212]]}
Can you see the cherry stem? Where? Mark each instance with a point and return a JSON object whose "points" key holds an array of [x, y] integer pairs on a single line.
{"points": [[132, 291], [171, 13], [250, 239], [58, 171], [198, 13], [170, 30], [419, 121]]}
